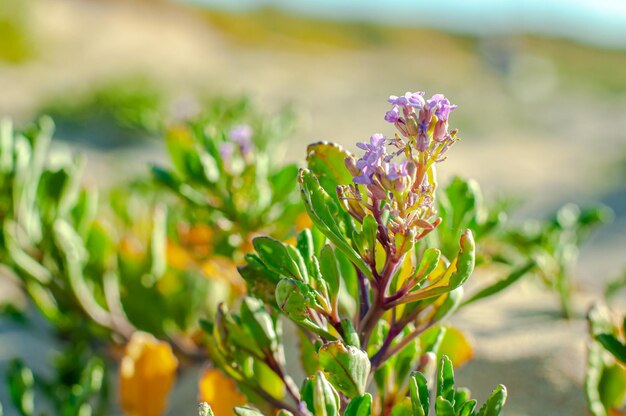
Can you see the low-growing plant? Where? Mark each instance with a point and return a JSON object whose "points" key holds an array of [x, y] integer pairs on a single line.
{"points": [[365, 289], [359, 275], [98, 273], [556, 243]]}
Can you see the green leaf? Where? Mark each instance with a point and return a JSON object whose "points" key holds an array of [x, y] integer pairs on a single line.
{"points": [[402, 408], [461, 396], [204, 409], [463, 268], [429, 263], [445, 381], [326, 161], [260, 280], [330, 272], [613, 386], [443, 407], [500, 285], [468, 408], [295, 298], [320, 396], [346, 367], [418, 389], [280, 258], [613, 345], [495, 402], [247, 411], [350, 334], [255, 317], [158, 242], [323, 212], [307, 353], [360, 406]]}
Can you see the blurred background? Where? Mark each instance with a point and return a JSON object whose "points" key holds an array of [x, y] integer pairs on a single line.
{"points": [[540, 85]]}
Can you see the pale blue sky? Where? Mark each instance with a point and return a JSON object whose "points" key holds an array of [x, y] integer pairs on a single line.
{"points": [[600, 22]]}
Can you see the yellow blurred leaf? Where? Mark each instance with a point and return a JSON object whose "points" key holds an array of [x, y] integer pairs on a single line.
{"points": [[220, 392], [177, 256], [147, 373], [303, 221], [456, 346]]}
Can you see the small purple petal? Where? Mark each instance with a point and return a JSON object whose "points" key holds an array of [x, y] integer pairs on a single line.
{"points": [[240, 133], [395, 100], [415, 99], [440, 106], [377, 140], [392, 115], [397, 171]]}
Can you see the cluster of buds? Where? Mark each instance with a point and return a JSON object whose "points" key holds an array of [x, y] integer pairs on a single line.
{"points": [[395, 178]]}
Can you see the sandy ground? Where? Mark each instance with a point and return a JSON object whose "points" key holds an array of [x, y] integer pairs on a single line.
{"points": [[561, 148]]}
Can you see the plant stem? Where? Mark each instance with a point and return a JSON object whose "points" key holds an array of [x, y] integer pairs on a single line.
{"points": [[364, 305]]}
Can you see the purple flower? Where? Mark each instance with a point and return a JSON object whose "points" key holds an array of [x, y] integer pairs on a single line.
{"points": [[397, 171], [440, 106], [410, 99], [415, 99], [241, 134], [392, 115], [373, 157], [226, 150], [364, 178]]}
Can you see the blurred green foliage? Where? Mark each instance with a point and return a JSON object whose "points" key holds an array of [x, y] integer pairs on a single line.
{"points": [[16, 32]]}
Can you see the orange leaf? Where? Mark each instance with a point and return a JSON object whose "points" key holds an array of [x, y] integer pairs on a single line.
{"points": [[147, 373], [220, 392]]}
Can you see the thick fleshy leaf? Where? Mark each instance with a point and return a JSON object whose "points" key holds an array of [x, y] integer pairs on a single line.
{"points": [[613, 386], [418, 389], [204, 409], [247, 411], [323, 212], [346, 367], [495, 402], [456, 274], [403, 408], [360, 406], [320, 396], [260, 280], [330, 272], [443, 407], [295, 299], [445, 380], [255, 317], [326, 161], [147, 373], [280, 258]]}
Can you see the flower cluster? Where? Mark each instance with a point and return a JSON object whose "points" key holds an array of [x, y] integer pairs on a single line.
{"points": [[240, 137], [397, 173]]}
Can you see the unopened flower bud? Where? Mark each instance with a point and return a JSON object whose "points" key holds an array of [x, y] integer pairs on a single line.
{"points": [[411, 125], [402, 127], [411, 170], [439, 133], [350, 163]]}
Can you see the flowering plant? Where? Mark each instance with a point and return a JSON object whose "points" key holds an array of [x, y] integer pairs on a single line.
{"points": [[364, 286]]}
